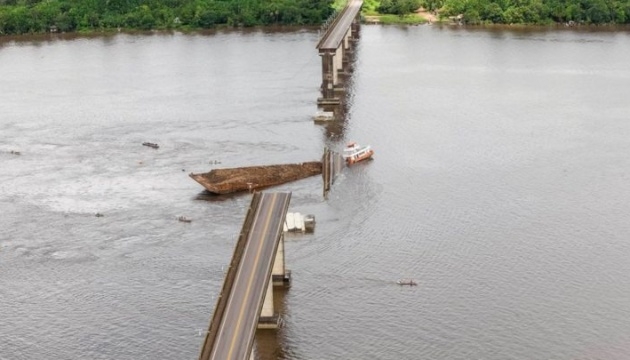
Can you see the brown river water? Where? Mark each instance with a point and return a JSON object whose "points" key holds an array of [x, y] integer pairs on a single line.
{"points": [[499, 184]]}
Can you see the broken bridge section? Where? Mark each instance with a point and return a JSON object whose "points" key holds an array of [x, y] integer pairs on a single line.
{"points": [[246, 299]]}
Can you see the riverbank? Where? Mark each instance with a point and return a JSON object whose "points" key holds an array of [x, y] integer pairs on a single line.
{"points": [[388, 19], [47, 36], [425, 17], [40, 16]]}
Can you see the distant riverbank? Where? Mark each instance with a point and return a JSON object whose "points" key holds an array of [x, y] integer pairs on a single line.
{"points": [[63, 16], [427, 17]]}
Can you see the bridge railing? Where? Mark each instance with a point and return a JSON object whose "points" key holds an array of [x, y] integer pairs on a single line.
{"points": [[332, 20]]}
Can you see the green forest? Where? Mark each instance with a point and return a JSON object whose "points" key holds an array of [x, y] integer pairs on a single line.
{"points": [[37, 16], [536, 11]]}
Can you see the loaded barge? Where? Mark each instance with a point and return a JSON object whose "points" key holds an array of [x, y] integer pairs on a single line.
{"points": [[248, 178]]}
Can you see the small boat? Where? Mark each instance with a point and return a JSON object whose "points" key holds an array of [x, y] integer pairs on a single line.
{"points": [[409, 282], [354, 153], [151, 145], [184, 219]]}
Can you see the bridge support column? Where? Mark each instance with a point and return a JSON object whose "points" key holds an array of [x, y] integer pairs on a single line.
{"points": [[346, 50], [336, 48], [268, 318], [280, 276], [355, 27], [338, 85], [329, 76]]}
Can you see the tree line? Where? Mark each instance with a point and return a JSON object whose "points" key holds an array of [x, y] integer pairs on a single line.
{"points": [[535, 11], [514, 11], [35, 16]]}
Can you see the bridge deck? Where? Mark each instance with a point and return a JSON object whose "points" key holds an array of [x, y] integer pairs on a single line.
{"points": [[233, 336], [333, 37]]}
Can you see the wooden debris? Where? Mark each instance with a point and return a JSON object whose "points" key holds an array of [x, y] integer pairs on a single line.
{"points": [[409, 282], [151, 145], [184, 219]]}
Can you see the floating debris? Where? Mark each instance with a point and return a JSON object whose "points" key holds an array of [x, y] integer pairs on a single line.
{"points": [[409, 282], [323, 116], [15, 152], [309, 223], [99, 215], [296, 222], [184, 219], [151, 145]]}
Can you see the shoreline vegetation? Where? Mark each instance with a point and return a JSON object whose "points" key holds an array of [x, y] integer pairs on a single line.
{"points": [[86, 16], [568, 13], [103, 16]]}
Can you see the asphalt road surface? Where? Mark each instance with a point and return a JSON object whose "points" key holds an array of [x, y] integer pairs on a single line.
{"points": [[337, 32], [236, 331]]}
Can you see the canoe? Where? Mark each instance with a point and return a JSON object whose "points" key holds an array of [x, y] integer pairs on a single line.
{"points": [[409, 282]]}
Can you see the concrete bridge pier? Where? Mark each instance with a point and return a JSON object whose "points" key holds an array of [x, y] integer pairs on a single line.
{"points": [[355, 33], [336, 50], [339, 61], [335, 66], [355, 28], [346, 55], [329, 78], [269, 319], [280, 276]]}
